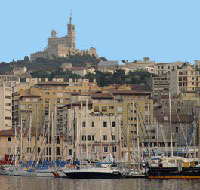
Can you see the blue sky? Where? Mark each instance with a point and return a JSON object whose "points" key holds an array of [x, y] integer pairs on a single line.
{"points": [[164, 30]]}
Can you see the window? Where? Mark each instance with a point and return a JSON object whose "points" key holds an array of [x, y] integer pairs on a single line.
{"points": [[92, 137], [70, 151], [58, 150], [28, 149], [83, 124], [176, 129], [58, 140], [105, 137], [46, 100], [113, 137], [114, 149], [113, 124], [38, 149], [83, 138], [49, 150], [104, 124], [104, 108], [105, 149], [9, 138], [28, 139], [89, 137], [96, 108], [111, 107], [92, 124]]}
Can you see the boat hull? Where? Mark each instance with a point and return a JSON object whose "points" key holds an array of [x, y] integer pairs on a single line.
{"points": [[45, 173], [93, 175], [173, 173]]}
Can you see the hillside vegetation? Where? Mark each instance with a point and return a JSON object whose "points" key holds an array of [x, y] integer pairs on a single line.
{"points": [[50, 68]]}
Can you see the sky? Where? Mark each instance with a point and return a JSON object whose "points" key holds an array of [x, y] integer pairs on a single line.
{"points": [[164, 30]]}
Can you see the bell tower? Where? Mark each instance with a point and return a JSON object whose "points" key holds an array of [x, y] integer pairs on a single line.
{"points": [[71, 33]]}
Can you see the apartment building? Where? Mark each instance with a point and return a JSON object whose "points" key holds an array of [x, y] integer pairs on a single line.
{"points": [[184, 79], [8, 106], [160, 85], [11, 145], [166, 68], [94, 134], [134, 107]]}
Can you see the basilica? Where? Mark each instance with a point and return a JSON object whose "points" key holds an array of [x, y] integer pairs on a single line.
{"points": [[62, 46]]}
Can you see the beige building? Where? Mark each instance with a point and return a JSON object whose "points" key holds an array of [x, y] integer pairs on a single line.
{"points": [[166, 68], [11, 146], [82, 71], [139, 65], [184, 79]]}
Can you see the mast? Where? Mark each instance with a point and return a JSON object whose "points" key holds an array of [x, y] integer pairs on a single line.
{"points": [[128, 134], [157, 133], [21, 141], [101, 147], [48, 132], [119, 138], [199, 139], [81, 131], [36, 134], [170, 122], [29, 135], [16, 143], [55, 135], [52, 137], [138, 140], [74, 139], [86, 125]]}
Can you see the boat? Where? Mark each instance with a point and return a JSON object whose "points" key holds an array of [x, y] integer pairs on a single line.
{"points": [[174, 168], [93, 173], [45, 172], [16, 171]]}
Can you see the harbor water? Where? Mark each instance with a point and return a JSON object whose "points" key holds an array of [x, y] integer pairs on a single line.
{"points": [[36, 183]]}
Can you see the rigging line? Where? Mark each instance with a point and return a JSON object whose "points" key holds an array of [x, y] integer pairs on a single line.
{"points": [[141, 126], [186, 146]]}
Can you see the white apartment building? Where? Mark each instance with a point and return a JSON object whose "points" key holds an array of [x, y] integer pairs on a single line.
{"points": [[95, 134], [5, 105], [166, 68]]}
